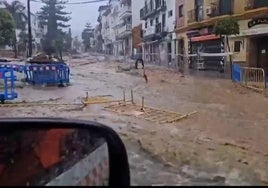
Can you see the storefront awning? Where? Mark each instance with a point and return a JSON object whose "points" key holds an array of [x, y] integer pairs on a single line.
{"points": [[204, 38]]}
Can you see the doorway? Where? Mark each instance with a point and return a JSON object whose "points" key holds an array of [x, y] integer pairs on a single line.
{"points": [[262, 52]]}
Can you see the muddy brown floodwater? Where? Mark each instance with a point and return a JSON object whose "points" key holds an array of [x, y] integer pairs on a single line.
{"points": [[225, 143]]}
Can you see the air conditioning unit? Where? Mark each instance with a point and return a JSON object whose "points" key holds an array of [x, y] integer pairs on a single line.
{"points": [[208, 10]]}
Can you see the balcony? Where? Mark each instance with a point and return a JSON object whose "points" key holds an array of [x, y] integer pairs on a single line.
{"points": [[146, 13], [253, 4], [219, 8], [152, 9], [191, 16], [125, 12], [123, 31], [149, 31], [156, 29], [160, 5]]}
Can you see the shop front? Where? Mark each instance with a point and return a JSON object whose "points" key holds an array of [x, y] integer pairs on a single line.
{"points": [[251, 46], [204, 41]]}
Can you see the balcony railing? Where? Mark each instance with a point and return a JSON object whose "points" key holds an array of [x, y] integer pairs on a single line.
{"points": [[149, 31], [125, 11], [123, 31], [253, 4], [161, 5], [146, 12], [191, 16], [249, 5], [217, 11], [154, 29], [152, 9]]}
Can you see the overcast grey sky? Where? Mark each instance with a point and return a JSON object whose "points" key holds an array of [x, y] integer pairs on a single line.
{"points": [[81, 14]]}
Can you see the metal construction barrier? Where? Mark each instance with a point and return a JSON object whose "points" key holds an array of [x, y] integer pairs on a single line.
{"points": [[16, 68], [47, 74], [7, 84], [254, 78], [236, 73]]}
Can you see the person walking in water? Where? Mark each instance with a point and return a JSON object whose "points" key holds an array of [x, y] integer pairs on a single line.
{"points": [[138, 58]]}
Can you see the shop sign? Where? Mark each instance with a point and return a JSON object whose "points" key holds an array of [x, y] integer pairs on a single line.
{"points": [[257, 21], [257, 31]]}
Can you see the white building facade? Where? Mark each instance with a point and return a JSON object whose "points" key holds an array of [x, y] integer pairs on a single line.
{"points": [[123, 29], [137, 32], [143, 25], [158, 31], [116, 28]]}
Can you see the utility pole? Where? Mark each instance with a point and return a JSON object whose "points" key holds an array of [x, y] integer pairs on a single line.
{"points": [[29, 29]]}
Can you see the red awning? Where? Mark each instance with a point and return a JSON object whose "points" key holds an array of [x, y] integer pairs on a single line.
{"points": [[204, 38]]}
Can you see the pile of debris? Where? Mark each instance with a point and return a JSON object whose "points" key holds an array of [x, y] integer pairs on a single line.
{"points": [[42, 58]]}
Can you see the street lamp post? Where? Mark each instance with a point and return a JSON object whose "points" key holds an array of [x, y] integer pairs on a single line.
{"points": [[29, 29]]}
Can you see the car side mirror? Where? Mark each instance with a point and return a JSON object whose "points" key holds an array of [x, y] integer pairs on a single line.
{"points": [[58, 152]]}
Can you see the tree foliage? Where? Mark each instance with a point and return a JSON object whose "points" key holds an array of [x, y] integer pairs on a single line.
{"points": [[87, 35], [17, 10], [68, 40], [7, 28], [22, 43], [52, 15], [63, 42], [228, 26]]}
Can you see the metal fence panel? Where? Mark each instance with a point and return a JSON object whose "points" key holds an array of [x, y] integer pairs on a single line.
{"points": [[47, 74], [7, 86], [254, 78]]}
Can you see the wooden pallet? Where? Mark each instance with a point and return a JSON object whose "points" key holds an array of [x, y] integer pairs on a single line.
{"points": [[148, 113]]}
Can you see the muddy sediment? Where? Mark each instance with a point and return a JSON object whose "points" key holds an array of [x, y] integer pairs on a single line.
{"points": [[225, 142]]}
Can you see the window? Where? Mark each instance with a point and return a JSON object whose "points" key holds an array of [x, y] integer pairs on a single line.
{"points": [[237, 45], [151, 22], [156, 20], [170, 13], [181, 11], [146, 24]]}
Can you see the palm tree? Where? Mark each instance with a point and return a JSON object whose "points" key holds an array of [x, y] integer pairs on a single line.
{"points": [[16, 9]]}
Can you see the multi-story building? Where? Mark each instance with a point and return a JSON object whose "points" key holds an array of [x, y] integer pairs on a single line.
{"points": [[116, 28], [100, 30], [195, 21], [98, 39], [158, 27], [38, 32], [106, 31], [123, 29], [137, 32]]}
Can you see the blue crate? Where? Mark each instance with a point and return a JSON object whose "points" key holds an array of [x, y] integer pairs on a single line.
{"points": [[8, 77]]}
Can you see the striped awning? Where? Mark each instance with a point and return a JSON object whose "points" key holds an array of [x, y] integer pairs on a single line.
{"points": [[204, 38]]}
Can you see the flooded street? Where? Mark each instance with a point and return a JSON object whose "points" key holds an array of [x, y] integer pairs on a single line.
{"points": [[225, 143]]}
